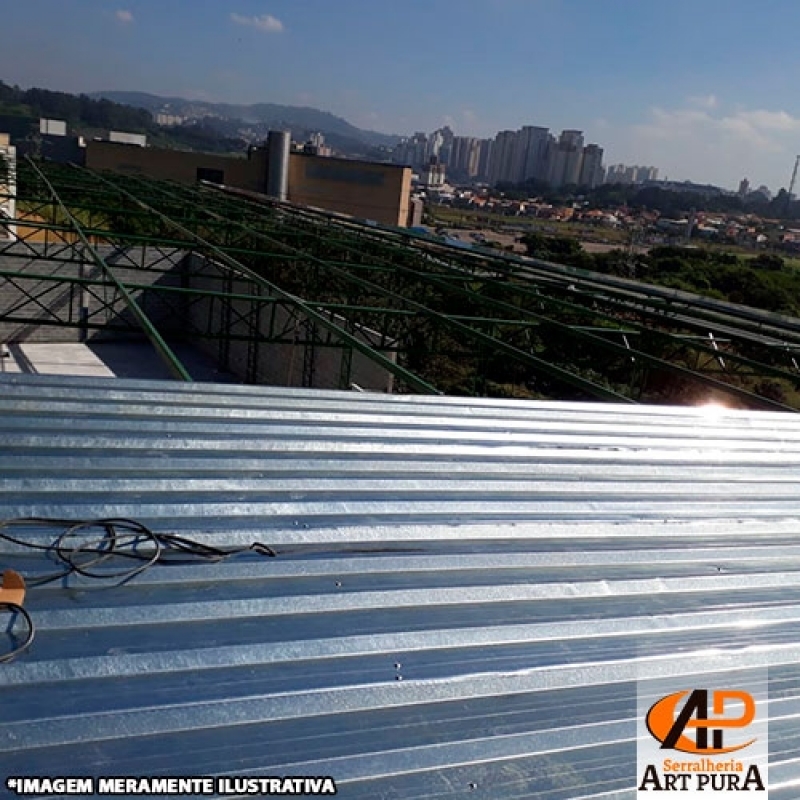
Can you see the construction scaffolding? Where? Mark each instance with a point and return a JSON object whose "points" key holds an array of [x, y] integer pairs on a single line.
{"points": [[287, 295]]}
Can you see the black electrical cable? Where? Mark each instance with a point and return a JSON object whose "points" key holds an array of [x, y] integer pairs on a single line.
{"points": [[13, 609], [120, 538]]}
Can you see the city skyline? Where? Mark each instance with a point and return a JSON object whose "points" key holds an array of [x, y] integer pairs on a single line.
{"points": [[532, 153], [703, 90]]}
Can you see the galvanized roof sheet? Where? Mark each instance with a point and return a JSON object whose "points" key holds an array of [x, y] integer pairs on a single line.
{"points": [[465, 591]]}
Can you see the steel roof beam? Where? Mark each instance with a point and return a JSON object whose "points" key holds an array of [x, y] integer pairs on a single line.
{"points": [[546, 367], [309, 311], [173, 363]]}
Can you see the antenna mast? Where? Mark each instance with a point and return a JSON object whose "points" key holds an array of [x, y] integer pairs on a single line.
{"points": [[794, 177]]}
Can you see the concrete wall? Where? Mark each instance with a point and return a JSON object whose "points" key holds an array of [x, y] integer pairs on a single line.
{"points": [[65, 301], [379, 192], [277, 364], [322, 365]]}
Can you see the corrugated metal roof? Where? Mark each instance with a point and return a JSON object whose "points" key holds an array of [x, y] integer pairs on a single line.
{"points": [[464, 595]]}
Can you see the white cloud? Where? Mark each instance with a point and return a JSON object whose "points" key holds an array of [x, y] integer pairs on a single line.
{"points": [[778, 121], [704, 143], [708, 101], [469, 118], [265, 23], [759, 127], [124, 16]]}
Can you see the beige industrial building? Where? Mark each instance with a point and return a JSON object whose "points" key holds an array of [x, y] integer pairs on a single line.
{"points": [[366, 190]]}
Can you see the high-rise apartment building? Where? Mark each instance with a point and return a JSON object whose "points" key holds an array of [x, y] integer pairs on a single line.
{"points": [[486, 150], [564, 167], [464, 157], [531, 149], [503, 158], [591, 174], [412, 152], [531, 153], [539, 144], [619, 173], [744, 187]]}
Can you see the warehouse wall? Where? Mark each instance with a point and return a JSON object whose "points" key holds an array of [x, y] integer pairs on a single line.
{"points": [[380, 192], [177, 165], [366, 190]]}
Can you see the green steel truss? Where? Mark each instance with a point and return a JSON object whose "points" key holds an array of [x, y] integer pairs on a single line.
{"points": [[435, 317]]}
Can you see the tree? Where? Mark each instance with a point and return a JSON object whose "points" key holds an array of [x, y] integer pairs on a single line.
{"points": [[561, 249], [768, 261]]}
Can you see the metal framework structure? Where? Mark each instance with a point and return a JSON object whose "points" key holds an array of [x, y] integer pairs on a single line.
{"points": [[435, 317]]}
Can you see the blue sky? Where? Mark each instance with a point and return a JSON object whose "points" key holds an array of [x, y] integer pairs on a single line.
{"points": [[702, 89]]}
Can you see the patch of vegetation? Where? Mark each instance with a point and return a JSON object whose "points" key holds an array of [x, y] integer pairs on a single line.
{"points": [[764, 281]]}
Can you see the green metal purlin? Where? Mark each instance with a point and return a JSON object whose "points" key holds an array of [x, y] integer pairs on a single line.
{"points": [[775, 372], [633, 352], [549, 369], [343, 335], [499, 259], [698, 343], [451, 322], [347, 252], [174, 365], [620, 348], [512, 265]]}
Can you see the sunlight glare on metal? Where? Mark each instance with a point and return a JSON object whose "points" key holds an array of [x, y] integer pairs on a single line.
{"points": [[712, 408]]}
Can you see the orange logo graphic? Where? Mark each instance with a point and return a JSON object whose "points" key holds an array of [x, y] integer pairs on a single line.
{"points": [[668, 723]]}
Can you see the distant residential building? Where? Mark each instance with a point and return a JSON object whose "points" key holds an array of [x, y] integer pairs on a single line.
{"points": [[619, 173], [765, 190], [52, 127], [744, 187], [412, 152], [434, 175], [439, 145], [591, 174], [501, 169], [122, 137], [538, 144], [168, 120], [531, 153], [446, 149], [564, 168], [645, 174], [464, 157], [486, 149], [316, 146]]}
